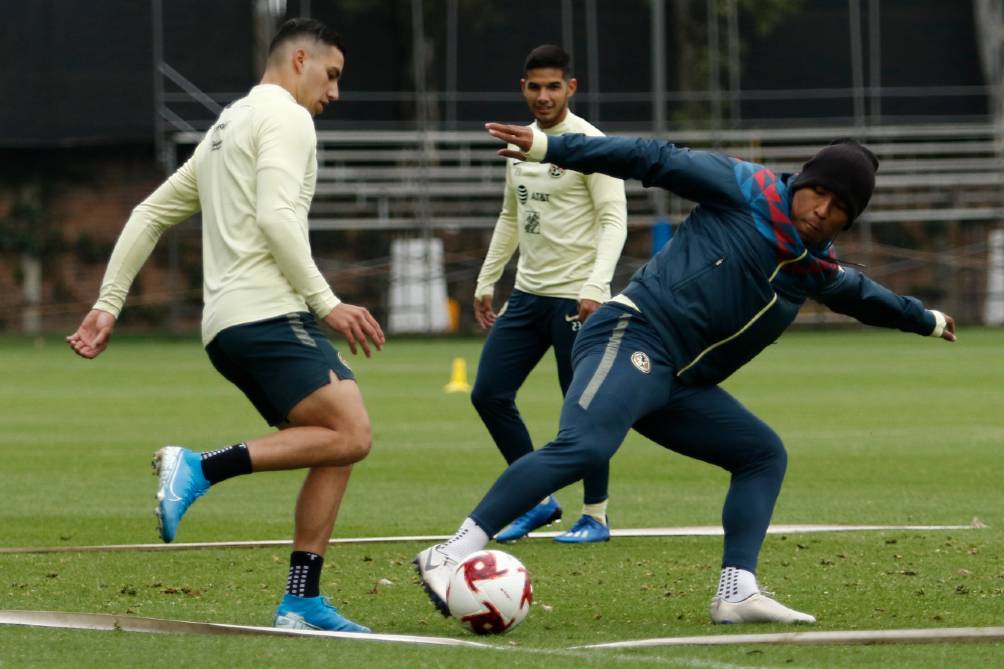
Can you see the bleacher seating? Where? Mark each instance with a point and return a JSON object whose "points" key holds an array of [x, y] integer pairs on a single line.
{"points": [[404, 180]]}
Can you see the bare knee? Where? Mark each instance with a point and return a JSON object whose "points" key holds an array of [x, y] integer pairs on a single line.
{"points": [[338, 445], [349, 444], [359, 441]]}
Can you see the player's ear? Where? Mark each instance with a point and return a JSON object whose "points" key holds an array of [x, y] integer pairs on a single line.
{"points": [[573, 85], [299, 57]]}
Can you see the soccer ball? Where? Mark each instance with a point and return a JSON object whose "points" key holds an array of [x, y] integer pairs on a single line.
{"points": [[490, 592]]}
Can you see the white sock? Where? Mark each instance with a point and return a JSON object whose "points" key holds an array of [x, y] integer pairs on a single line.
{"points": [[598, 511], [736, 584], [470, 538]]}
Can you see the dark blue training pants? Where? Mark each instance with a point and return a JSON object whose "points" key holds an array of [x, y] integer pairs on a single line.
{"points": [[623, 379], [526, 328]]}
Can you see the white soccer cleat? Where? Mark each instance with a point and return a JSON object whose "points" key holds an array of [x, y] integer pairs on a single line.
{"points": [[758, 608], [435, 567]]}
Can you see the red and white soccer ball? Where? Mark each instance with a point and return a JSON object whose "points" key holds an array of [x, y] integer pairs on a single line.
{"points": [[490, 592]]}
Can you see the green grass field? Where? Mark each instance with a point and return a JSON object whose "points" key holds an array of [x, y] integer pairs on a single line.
{"points": [[881, 427]]}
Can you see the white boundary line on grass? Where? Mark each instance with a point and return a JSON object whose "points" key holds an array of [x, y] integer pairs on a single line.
{"points": [[854, 637], [699, 531], [110, 622]]}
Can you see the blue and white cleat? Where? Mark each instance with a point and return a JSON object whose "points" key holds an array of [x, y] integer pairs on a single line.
{"points": [[543, 514], [586, 530], [312, 613], [180, 482]]}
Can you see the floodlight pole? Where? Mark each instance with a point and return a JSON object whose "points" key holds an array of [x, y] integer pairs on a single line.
{"points": [[857, 67], [452, 28], [568, 28], [165, 156], [657, 38], [875, 60], [156, 7], [568, 35], [418, 54], [714, 83], [593, 61], [735, 67]]}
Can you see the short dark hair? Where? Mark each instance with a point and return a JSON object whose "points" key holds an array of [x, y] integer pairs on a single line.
{"points": [[549, 55], [313, 28]]}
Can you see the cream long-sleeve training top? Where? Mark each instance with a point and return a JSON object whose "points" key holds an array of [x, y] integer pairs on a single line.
{"points": [[253, 177], [569, 227]]}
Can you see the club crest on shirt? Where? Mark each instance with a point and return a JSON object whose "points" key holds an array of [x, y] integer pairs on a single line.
{"points": [[641, 361], [522, 193], [556, 171]]}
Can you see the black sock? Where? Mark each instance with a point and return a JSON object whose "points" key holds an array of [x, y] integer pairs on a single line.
{"points": [[224, 463], [304, 574]]}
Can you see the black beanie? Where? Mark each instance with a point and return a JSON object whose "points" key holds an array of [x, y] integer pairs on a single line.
{"points": [[847, 169]]}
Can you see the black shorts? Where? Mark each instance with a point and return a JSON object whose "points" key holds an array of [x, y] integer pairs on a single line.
{"points": [[277, 362]]}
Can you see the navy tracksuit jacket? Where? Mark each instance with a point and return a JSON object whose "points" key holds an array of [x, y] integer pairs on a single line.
{"points": [[727, 285], [736, 272]]}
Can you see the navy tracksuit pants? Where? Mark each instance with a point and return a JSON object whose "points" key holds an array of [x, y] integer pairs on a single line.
{"points": [[624, 378], [526, 328]]}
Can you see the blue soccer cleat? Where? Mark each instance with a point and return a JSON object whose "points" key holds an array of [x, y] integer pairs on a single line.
{"points": [[586, 530], [312, 613], [181, 482], [544, 513]]}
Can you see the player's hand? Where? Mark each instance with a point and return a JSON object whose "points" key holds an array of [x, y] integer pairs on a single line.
{"points": [[357, 325], [949, 333], [483, 312], [520, 135], [586, 309], [91, 338]]}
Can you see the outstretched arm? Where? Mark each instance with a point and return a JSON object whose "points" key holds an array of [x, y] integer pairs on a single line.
{"points": [[854, 294], [700, 176]]}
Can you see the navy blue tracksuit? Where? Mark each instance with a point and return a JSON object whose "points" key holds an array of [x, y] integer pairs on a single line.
{"points": [[528, 326], [728, 284]]}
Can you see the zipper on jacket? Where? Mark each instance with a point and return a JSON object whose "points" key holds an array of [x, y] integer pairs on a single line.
{"points": [[698, 274]]}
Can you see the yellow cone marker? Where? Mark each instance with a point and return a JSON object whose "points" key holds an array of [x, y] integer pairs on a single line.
{"points": [[458, 378]]}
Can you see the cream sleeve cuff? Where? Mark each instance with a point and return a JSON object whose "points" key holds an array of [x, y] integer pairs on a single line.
{"points": [[539, 147], [594, 293]]}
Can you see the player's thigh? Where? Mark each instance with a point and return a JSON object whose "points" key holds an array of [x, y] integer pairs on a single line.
{"points": [[513, 347], [338, 405], [709, 424], [621, 374], [278, 363]]}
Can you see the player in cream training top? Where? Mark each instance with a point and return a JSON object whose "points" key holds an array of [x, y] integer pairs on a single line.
{"points": [[569, 228], [253, 177]]}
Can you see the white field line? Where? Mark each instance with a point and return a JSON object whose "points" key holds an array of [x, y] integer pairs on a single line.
{"points": [[698, 531], [842, 638], [111, 622]]}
